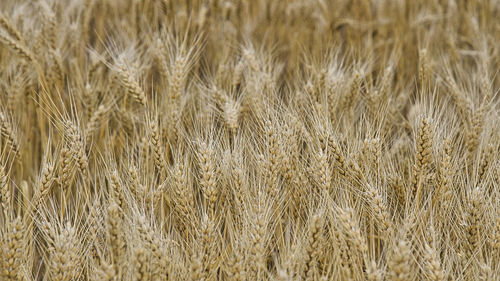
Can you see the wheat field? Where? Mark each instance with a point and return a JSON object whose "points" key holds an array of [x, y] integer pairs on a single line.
{"points": [[249, 140]]}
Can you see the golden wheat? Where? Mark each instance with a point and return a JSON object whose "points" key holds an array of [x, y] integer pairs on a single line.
{"points": [[249, 140]]}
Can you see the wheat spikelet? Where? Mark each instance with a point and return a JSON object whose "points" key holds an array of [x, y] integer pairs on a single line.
{"points": [[238, 182], [235, 267], [89, 99], [160, 265], [352, 230], [372, 153], [495, 238], [95, 120], [46, 179], [157, 147], [116, 238], [433, 265], [423, 159], [138, 189], [312, 248], [485, 162], [196, 271], [49, 25], [423, 68], [474, 211], [77, 146], [380, 209], [238, 73], [346, 265], [19, 48], [373, 273], [257, 250], [9, 134], [184, 199], [352, 94], [178, 76], [399, 190], [322, 172], [13, 250], [460, 101], [444, 191], [475, 130], [11, 30], [106, 272], [131, 85], [5, 193], [399, 262], [56, 73], [116, 189], [142, 272], [339, 158], [231, 115], [64, 254], [209, 250], [208, 180], [66, 168], [271, 160]]}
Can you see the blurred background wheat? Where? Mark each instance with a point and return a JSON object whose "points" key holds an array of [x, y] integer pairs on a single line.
{"points": [[249, 140]]}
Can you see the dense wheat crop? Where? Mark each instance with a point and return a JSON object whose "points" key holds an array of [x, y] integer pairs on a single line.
{"points": [[249, 140]]}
